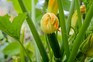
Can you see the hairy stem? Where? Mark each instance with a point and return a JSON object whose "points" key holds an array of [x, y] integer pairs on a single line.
{"points": [[82, 31], [35, 34], [63, 28]]}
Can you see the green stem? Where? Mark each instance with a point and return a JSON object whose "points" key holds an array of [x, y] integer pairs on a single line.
{"points": [[25, 51], [78, 12], [33, 12], [71, 11], [83, 58], [55, 46], [49, 49], [80, 57], [22, 53], [63, 28], [82, 31], [37, 53], [35, 34], [62, 50]]}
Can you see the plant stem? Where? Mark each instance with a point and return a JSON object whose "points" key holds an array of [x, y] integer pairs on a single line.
{"points": [[33, 12], [37, 53], [63, 28], [49, 49], [62, 50], [82, 31], [71, 11], [25, 51], [35, 34], [83, 58], [78, 12], [22, 53]]}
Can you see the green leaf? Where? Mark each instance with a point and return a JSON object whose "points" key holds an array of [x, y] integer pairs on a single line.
{"points": [[12, 49], [12, 29]]}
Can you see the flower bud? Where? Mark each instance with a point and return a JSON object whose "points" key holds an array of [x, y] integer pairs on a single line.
{"points": [[87, 46], [82, 9], [75, 15], [49, 23], [90, 49], [74, 19], [53, 6]]}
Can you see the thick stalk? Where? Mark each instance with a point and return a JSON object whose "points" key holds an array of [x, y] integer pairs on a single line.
{"points": [[35, 34], [81, 33], [63, 28]]}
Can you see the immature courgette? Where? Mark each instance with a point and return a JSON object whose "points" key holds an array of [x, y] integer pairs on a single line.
{"points": [[49, 24]]}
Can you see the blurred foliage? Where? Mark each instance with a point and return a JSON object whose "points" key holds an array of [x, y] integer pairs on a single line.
{"points": [[87, 3], [12, 48]]}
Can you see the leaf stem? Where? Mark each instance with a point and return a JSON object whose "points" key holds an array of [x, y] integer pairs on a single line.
{"points": [[71, 11], [37, 53], [82, 31], [63, 28], [49, 49], [22, 52], [35, 34], [78, 12], [25, 51]]}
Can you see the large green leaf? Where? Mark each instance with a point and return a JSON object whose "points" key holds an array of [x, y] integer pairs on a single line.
{"points": [[12, 49], [12, 29]]}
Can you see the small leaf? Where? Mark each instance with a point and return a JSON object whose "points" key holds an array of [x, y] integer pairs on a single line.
{"points": [[12, 29], [12, 48]]}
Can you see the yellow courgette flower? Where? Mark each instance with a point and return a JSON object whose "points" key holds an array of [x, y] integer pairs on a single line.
{"points": [[90, 49], [82, 9], [75, 15], [53, 6], [87, 46], [49, 23]]}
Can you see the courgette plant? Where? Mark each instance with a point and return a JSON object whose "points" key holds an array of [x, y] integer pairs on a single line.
{"points": [[72, 47]]}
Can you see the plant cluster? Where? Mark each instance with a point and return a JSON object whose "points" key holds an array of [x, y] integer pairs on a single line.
{"points": [[62, 38]]}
